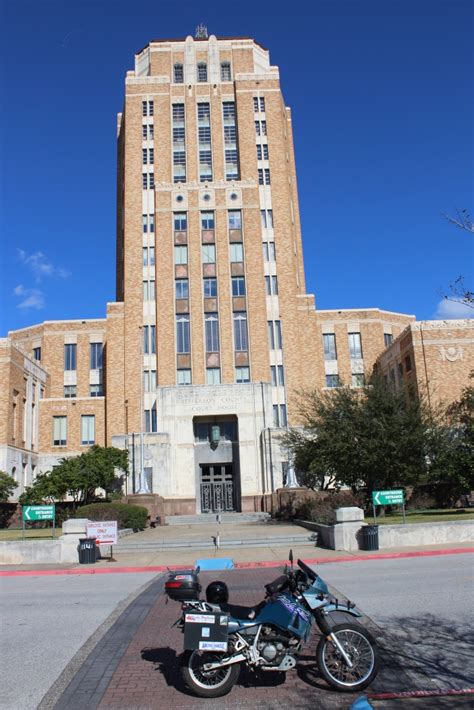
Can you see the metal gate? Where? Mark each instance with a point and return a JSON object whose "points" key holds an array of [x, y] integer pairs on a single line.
{"points": [[217, 489]]}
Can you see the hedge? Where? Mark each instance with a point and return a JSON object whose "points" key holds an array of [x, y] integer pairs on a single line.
{"points": [[127, 516]]}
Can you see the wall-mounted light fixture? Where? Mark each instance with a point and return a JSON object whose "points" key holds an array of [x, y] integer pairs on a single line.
{"points": [[215, 436]]}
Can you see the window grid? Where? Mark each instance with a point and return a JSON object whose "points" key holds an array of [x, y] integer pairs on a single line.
{"points": [[212, 332], [179, 144], [332, 381], [182, 334], [242, 375], [59, 431], [232, 171], [87, 429], [329, 346], [148, 223], [70, 391], [355, 346], [240, 332], [178, 74], [210, 288], [226, 72], [182, 288], [202, 72], [213, 376], [96, 356], [70, 359], [184, 377], [238, 286], [204, 136]]}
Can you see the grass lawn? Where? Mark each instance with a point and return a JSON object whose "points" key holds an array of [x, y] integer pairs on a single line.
{"points": [[425, 516], [30, 534]]}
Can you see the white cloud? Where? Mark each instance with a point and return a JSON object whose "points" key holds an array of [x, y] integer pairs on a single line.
{"points": [[40, 266], [448, 308], [30, 297]]}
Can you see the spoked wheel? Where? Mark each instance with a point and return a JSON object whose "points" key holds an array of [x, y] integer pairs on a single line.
{"points": [[208, 684], [360, 649]]}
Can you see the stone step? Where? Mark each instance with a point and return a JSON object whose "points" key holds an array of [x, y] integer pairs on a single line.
{"points": [[156, 546], [210, 518]]}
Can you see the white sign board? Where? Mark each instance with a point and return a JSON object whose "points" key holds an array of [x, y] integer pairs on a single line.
{"points": [[105, 532]]}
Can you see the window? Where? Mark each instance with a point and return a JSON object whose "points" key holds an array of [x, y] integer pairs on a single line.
{"points": [[235, 219], [96, 391], [332, 380], [240, 332], [151, 155], [149, 291], [208, 254], [262, 152], [184, 377], [144, 156], [267, 218], [145, 181], [213, 376], [182, 334], [147, 131], [261, 128], [207, 220], [70, 391], [242, 375], [37, 354], [151, 181], [263, 176], [178, 113], [225, 71], [150, 420], [178, 74], [408, 363], [178, 137], [210, 288], [149, 380], [269, 251], [276, 415], [144, 131], [271, 335], [255, 104], [181, 254], [212, 333], [204, 137], [87, 429], [148, 256], [278, 376], [148, 223], [96, 356], [150, 108], [228, 111], [149, 339], [179, 155], [180, 222], [238, 286], [274, 334], [230, 136], [205, 166], [329, 345], [202, 71], [283, 419], [147, 108], [387, 339], [358, 379], [204, 134], [182, 288], [230, 153], [267, 176], [59, 431], [355, 346], [236, 253], [271, 285], [262, 104], [70, 356]]}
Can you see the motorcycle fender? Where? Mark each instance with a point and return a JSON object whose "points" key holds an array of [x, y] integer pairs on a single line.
{"points": [[353, 611]]}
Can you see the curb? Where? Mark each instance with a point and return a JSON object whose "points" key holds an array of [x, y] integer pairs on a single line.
{"points": [[238, 565], [420, 694]]}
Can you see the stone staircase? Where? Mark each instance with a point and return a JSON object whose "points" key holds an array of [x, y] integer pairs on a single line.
{"points": [[210, 519]]}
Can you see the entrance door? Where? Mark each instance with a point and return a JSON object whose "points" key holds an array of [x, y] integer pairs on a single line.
{"points": [[217, 489]]}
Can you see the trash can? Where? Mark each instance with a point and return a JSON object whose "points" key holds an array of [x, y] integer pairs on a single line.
{"points": [[87, 551], [370, 537]]}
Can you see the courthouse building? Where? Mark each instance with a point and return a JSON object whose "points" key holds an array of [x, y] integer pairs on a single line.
{"points": [[197, 366]]}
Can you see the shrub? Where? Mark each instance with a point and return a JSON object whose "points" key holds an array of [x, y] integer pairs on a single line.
{"points": [[322, 510], [127, 516]]}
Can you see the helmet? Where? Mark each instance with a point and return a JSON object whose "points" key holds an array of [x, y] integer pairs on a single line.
{"points": [[217, 593]]}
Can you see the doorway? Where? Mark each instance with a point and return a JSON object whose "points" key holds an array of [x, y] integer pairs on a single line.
{"points": [[217, 488]]}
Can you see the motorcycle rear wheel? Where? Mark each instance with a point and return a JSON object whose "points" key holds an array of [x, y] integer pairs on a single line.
{"points": [[208, 684], [362, 651]]}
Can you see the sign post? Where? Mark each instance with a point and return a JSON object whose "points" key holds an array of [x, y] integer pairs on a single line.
{"points": [[390, 497], [105, 533], [32, 513]]}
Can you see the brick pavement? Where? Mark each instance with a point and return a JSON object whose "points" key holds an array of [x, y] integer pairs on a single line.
{"points": [[135, 666]]}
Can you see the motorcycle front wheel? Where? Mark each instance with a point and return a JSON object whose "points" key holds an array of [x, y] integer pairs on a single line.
{"points": [[361, 650], [207, 684]]}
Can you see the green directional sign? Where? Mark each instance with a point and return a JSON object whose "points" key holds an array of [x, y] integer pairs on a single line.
{"points": [[392, 497], [38, 512]]}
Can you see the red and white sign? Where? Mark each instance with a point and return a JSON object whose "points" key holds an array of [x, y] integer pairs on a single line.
{"points": [[105, 532]]}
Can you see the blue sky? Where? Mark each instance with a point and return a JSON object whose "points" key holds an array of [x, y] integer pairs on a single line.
{"points": [[381, 94]]}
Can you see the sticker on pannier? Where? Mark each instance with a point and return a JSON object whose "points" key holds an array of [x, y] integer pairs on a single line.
{"points": [[205, 632]]}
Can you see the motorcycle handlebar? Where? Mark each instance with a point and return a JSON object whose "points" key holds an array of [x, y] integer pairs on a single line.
{"points": [[307, 570]]}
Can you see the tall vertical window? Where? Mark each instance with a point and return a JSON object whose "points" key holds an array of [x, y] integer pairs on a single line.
{"points": [[262, 152], [240, 332], [242, 375], [96, 356], [148, 223], [149, 380], [210, 288], [230, 150], [180, 221], [238, 286], [149, 339], [267, 218], [207, 220], [212, 333], [276, 415], [184, 377], [70, 356], [149, 290], [208, 253], [269, 251], [178, 74], [263, 176], [182, 334], [87, 429], [147, 108], [204, 138], [202, 72], [150, 419], [213, 376], [59, 431], [236, 252], [329, 346], [148, 256], [355, 346], [261, 128], [37, 354], [271, 285], [179, 144], [387, 339], [258, 104], [181, 254], [235, 219], [225, 71], [278, 375], [182, 288]]}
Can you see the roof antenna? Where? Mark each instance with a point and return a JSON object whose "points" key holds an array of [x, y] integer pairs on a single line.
{"points": [[201, 32]]}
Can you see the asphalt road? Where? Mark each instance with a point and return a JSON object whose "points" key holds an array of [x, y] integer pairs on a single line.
{"points": [[45, 621], [424, 606]]}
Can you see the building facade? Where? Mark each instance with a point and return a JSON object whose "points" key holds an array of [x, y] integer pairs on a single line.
{"points": [[197, 366]]}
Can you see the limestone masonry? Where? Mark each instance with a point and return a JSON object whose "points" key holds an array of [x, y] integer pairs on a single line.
{"points": [[196, 367]]}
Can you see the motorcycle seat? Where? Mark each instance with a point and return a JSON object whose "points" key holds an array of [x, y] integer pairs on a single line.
{"points": [[243, 613]]}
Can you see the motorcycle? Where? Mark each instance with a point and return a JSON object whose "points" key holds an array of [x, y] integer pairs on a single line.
{"points": [[219, 637]]}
